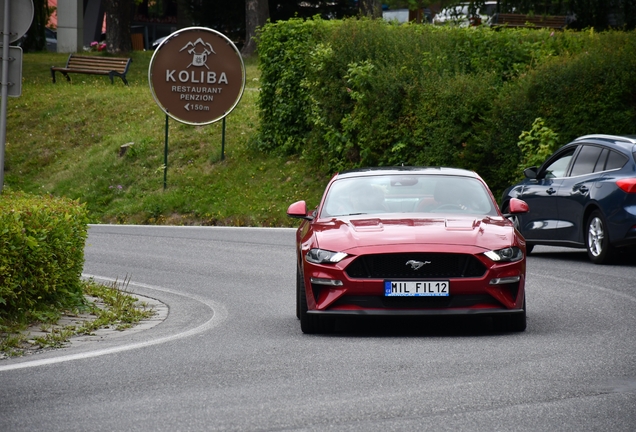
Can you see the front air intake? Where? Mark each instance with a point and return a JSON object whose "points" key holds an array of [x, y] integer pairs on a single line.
{"points": [[407, 266]]}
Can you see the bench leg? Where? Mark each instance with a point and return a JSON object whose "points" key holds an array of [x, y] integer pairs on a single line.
{"points": [[122, 76], [53, 75]]}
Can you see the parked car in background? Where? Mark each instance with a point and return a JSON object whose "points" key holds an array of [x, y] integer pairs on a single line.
{"points": [[583, 196], [462, 15], [402, 15], [408, 241], [51, 40], [157, 42], [50, 36]]}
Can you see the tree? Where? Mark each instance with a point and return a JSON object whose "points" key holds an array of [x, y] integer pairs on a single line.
{"points": [[118, 20], [371, 8], [327, 9], [221, 15], [599, 14], [256, 15], [35, 38], [407, 4]]}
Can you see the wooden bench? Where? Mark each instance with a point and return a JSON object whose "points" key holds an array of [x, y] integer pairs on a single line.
{"points": [[532, 21], [94, 65]]}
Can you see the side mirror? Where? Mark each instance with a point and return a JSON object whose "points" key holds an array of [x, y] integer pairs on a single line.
{"points": [[299, 210], [531, 172], [517, 206]]}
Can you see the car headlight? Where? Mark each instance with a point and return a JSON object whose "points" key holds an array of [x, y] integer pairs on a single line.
{"points": [[509, 254], [320, 256]]}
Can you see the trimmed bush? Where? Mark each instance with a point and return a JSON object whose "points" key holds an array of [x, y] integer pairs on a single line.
{"points": [[592, 91], [352, 93], [41, 252]]}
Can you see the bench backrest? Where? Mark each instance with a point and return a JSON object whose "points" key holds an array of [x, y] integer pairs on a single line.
{"points": [[517, 20], [98, 63]]}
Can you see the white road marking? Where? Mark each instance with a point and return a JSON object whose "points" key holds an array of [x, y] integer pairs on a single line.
{"points": [[219, 315]]}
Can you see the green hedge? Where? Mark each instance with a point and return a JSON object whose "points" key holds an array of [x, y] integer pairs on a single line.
{"points": [[41, 252], [354, 93], [593, 91]]}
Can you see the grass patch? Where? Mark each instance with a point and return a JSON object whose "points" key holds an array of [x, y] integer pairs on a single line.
{"points": [[105, 306], [65, 139]]}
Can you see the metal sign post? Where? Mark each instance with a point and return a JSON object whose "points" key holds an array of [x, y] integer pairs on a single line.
{"points": [[197, 77], [165, 157], [16, 17]]}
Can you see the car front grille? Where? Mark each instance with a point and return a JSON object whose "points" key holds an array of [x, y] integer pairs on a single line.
{"points": [[401, 266]]}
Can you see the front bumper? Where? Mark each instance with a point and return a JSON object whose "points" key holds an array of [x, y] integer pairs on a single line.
{"points": [[414, 312]]}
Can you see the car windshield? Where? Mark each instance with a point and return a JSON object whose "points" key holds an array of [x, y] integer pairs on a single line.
{"points": [[407, 193]]}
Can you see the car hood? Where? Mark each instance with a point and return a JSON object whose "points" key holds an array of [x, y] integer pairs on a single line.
{"points": [[341, 234]]}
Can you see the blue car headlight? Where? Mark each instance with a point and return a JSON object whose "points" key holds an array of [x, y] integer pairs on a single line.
{"points": [[509, 254], [321, 256]]}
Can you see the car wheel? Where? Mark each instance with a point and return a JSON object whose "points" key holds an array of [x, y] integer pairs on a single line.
{"points": [[597, 239], [308, 324], [517, 224], [306, 321], [299, 284], [513, 322], [518, 322], [514, 218], [311, 324], [529, 247]]}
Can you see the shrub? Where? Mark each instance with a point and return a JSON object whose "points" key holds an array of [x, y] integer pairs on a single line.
{"points": [[576, 94], [358, 92], [537, 144], [41, 252]]}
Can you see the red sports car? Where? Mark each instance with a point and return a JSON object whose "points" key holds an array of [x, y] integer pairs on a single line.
{"points": [[408, 241]]}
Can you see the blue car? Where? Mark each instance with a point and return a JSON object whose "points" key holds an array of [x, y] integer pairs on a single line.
{"points": [[583, 196]]}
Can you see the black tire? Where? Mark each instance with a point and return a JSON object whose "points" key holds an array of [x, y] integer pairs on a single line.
{"points": [[310, 324], [514, 218], [517, 224], [597, 241], [529, 247], [518, 322], [299, 284], [512, 322]]}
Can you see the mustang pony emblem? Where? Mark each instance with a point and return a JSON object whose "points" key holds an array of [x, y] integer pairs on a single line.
{"points": [[416, 265]]}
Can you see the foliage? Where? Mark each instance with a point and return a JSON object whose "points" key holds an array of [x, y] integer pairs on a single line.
{"points": [[121, 310], [283, 107], [407, 4], [537, 144], [373, 93], [597, 14], [66, 139], [590, 90], [107, 305], [41, 252], [96, 46]]}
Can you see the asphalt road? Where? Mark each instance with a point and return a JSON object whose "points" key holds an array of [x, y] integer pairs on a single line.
{"points": [[231, 356]]}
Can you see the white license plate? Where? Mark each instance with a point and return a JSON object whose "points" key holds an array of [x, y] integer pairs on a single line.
{"points": [[416, 289]]}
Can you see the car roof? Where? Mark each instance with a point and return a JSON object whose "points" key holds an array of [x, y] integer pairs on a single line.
{"points": [[624, 142], [374, 171]]}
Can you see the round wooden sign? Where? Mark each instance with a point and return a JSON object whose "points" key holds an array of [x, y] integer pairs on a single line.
{"points": [[197, 75]]}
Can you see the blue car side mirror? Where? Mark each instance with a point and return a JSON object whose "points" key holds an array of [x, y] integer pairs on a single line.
{"points": [[530, 173]]}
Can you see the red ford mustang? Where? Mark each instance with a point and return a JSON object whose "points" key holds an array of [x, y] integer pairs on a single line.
{"points": [[408, 241]]}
